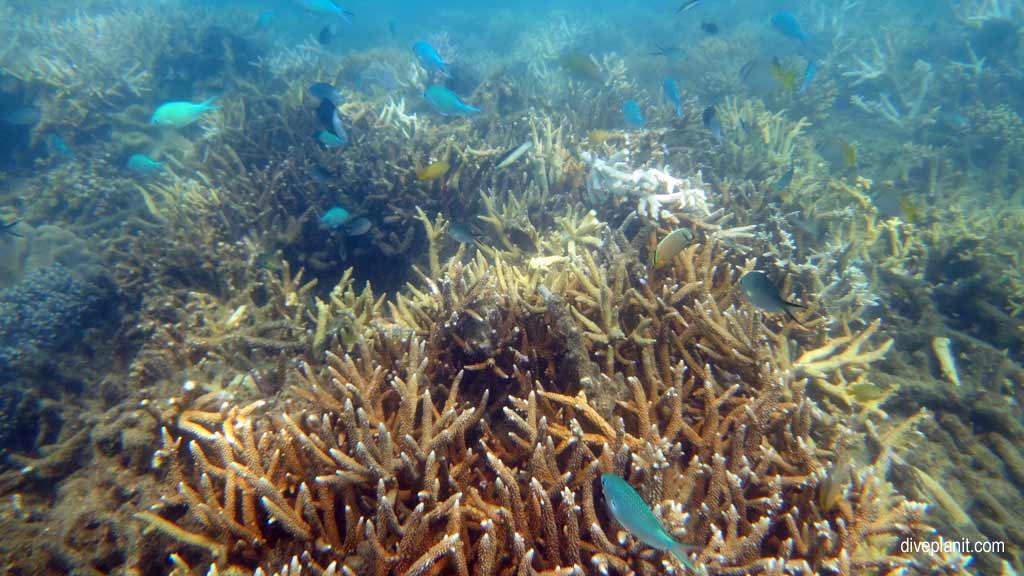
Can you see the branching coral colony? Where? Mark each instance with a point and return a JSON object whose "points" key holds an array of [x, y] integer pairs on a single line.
{"points": [[465, 433]]}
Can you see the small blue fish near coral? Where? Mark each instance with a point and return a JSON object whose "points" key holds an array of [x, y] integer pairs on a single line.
{"points": [[712, 123], [265, 19], [324, 91], [671, 91], [335, 218], [143, 165], [954, 120], [763, 294], [179, 114], [327, 33], [632, 113], [447, 103], [630, 510], [332, 141], [59, 147], [430, 59], [787, 25], [26, 116], [357, 226], [326, 8], [786, 178], [809, 73]]}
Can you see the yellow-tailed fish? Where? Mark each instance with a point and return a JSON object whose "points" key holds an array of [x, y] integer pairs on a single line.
{"points": [[630, 510], [598, 137], [784, 76], [433, 171], [581, 65], [670, 246], [850, 154], [838, 152], [911, 212]]}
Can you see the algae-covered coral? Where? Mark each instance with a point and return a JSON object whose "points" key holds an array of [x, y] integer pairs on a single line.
{"points": [[336, 326]]}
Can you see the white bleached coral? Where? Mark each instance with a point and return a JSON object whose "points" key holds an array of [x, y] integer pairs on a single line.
{"points": [[655, 189]]}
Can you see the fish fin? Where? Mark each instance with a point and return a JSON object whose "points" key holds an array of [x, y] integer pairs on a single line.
{"points": [[208, 104], [346, 15], [790, 312], [681, 552], [7, 228]]}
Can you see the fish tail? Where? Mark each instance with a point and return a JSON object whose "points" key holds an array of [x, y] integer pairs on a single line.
{"points": [[346, 15], [208, 104], [681, 552], [471, 109]]}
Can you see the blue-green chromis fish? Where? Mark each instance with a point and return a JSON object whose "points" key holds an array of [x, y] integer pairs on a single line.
{"points": [[264, 19], [671, 91], [632, 113], [26, 116], [179, 114], [786, 178], [429, 58], [809, 72], [630, 510], [787, 25], [142, 164], [335, 218], [331, 141], [447, 103], [59, 146], [326, 8]]}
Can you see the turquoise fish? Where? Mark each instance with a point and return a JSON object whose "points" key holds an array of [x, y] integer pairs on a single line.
{"points": [[325, 8], [142, 164], [179, 114], [630, 510], [429, 58], [809, 73], [671, 91], [786, 179], [59, 146], [332, 141], [787, 25], [447, 103], [335, 218], [633, 114]]}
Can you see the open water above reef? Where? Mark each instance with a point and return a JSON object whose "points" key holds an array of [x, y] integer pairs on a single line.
{"points": [[465, 288]]}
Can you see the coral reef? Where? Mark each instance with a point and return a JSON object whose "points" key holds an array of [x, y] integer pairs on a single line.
{"points": [[48, 309], [440, 392]]}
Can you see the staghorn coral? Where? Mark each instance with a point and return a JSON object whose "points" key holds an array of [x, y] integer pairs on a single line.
{"points": [[384, 463], [89, 61]]}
